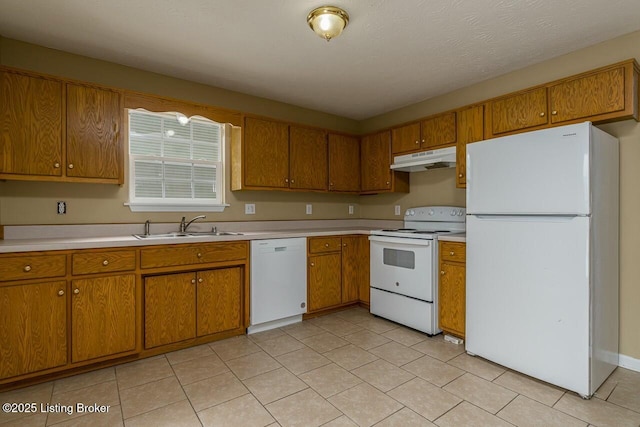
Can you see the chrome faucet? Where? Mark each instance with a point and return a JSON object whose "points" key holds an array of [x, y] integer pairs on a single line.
{"points": [[147, 227], [184, 225]]}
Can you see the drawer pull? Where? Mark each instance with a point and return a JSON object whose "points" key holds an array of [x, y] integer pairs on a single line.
{"points": [[70, 166], [200, 280], [27, 268], [105, 262], [193, 281], [199, 255], [442, 272], [56, 165], [554, 112], [451, 253], [313, 264], [76, 291], [60, 292], [460, 175], [541, 114], [326, 245]]}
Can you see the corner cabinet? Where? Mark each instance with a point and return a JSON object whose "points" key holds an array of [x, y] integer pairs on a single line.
{"points": [[375, 163], [56, 130], [451, 288], [338, 272]]}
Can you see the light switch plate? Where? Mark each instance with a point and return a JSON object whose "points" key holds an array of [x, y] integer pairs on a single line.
{"points": [[249, 208], [397, 209], [309, 209]]}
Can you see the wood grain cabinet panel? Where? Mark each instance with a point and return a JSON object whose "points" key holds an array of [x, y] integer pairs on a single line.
{"points": [[588, 96], [308, 162], [438, 131], [344, 163], [32, 267], [265, 153], [325, 281], [318, 245], [103, 262], [519, 111], [219, 300], [178, 255], [405, 138], [103, 316], [33, 321], [470, 125], [30, 125], [355, 269], [451, 288], [170, 308], [94, 133]]}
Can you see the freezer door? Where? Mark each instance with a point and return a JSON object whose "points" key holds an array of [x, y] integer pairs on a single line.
{"points": [[542, 172], [528, 296]]}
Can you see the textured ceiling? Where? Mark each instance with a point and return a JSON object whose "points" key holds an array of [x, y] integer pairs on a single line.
{"points": [[392, 54]]}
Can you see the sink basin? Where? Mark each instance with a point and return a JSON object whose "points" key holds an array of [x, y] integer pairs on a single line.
{"points": [[187, 234]]}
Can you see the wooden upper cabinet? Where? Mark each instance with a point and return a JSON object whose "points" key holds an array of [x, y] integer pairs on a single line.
{"points": [[470, 128], [94, 133], [439, 131], [30, 125], [308, 165], [33, 321], [375, 165], [103, 313], [344, 163], [266, 153], [518, 111], [405, 138], [593, 95]]}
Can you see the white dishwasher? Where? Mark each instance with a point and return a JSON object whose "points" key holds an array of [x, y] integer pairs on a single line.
{"points": [[278, 282]]}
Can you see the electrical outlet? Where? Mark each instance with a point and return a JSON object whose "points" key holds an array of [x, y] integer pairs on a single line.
{"points": [[350, 209], [61, 208], [249, 208], [397, 209], [309, 209]]}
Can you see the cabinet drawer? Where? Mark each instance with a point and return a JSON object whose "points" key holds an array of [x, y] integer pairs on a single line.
{"points": [[318, 245], [453, 251], [168, 256], [32, 267], [103, 262]]}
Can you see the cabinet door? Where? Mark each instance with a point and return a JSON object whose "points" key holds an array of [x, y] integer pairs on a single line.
{"points": [[405, 138], [325, 281], [103, 316], [451, 294], [33, 321], [169, 308], [30, 125], [94, 142], [355, 269], [266, 153], [219, 300], [470, 125], [344, 163], [308, 168], [439, 131], [588, 96], [375, 159], [520, 111]]}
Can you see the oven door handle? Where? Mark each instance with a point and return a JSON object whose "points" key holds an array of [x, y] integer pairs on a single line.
{"points": [[400, 240]]}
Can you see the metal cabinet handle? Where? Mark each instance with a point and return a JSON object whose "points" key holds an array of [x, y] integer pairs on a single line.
{"points": [[70, 166], [442, 272], [344, 244], [292, 181], [199, 279], [199, 255], [451, 253], [554, 112], [76, 291], [56, 165], [193, 281], [27, 268], [541, 114], [417, 141], [286, 180], [388, 182], [313, 264], [60, 292], [460, 175], [105, 262], [326, 245]]}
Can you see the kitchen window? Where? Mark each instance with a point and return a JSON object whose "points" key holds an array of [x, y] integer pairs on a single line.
{"points": [[176, 163]]}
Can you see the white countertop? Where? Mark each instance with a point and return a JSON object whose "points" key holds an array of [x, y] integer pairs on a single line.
{"points": [[52, 244], [453, 237]]}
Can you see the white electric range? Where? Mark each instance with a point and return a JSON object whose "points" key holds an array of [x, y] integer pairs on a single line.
{"points": [[404, 279]]}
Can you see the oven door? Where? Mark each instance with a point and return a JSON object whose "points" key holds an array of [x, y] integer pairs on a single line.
{"points": [[403, 265]]}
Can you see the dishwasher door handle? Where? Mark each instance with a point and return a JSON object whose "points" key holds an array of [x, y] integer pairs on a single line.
{"points": [[280, 249]]}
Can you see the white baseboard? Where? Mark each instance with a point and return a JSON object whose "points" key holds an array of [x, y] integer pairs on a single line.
{"points": [[629, 363]]}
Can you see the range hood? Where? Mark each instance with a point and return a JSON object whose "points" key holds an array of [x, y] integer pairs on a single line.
{"points": [[424, 160]]}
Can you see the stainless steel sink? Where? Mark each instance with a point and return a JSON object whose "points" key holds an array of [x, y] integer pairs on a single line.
{"points": [[187, 234]]}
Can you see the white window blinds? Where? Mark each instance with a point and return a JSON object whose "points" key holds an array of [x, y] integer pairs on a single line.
{"points": [[175, 162]]}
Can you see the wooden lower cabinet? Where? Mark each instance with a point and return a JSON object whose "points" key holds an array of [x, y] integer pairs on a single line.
{"points": [[183, 306], [338, 271], [103, 316], [33, 321], [451, 288]]}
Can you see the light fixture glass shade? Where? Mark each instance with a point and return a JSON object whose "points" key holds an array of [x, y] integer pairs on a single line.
{"points": [[328, 21]]}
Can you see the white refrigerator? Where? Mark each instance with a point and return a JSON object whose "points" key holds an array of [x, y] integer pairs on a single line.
{"points": [[542, 254]]}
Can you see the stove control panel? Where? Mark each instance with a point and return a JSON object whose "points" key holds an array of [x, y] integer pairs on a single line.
{"points": [[436, 213]]}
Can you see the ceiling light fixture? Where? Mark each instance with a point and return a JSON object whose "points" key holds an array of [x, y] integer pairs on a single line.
{"points": [[328, 21]]}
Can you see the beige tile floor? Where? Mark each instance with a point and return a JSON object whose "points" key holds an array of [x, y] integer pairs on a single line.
{"points": [[344, 369]]}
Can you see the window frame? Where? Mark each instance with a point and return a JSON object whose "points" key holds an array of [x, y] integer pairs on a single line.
{"points": [[177, 204]]}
